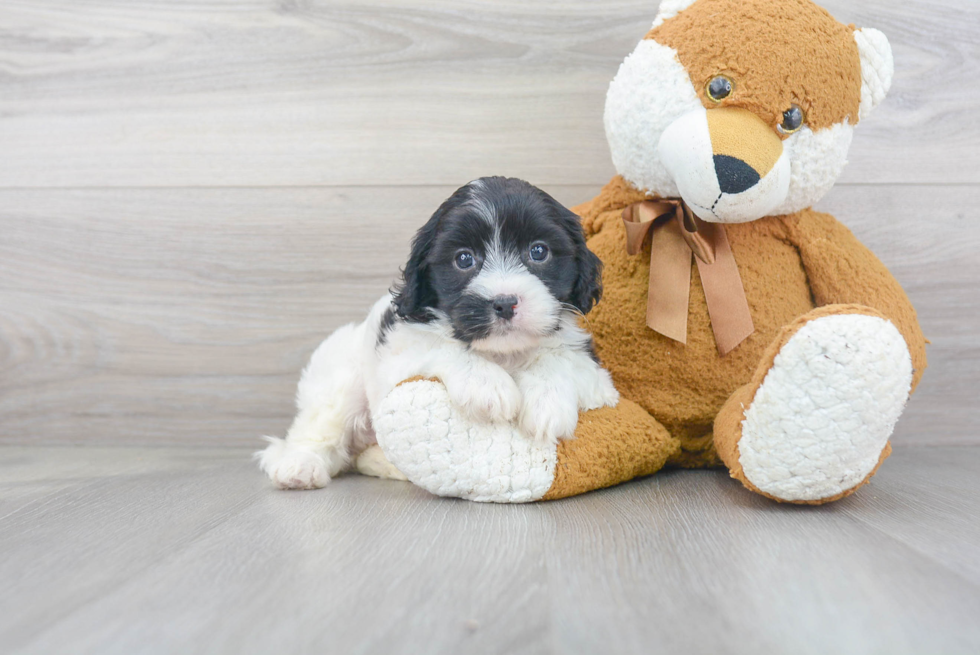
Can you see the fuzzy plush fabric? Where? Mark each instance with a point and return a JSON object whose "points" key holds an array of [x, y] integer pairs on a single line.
{"points": [[877, 68], [778, 53], [611, 445], [684, 386], [429, 440], [789, 265], [436, 447], [803, 409], [652, 90], [813, 423], [819, 421], [669, 9], [817, 159]]}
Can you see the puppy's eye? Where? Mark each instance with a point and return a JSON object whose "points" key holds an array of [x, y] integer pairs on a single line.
{"points": [[464, 260], [538, 252], [719, 88], [793, 120]]}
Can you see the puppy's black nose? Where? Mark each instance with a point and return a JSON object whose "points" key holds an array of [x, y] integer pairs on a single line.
{"points": [[734, 175], [504, 306]]}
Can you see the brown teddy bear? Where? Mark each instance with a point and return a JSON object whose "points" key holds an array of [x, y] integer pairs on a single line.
{"points": [[740, 326]]}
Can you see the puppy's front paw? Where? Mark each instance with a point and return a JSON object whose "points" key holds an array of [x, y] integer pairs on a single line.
{"points": [[293, 468], [488, 395], [548, 415], [602, 393]]}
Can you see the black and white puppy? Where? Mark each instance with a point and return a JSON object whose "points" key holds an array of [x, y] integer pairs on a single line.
{"points": [[488, 304]]}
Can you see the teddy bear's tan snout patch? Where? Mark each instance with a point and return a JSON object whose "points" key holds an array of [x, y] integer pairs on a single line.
{"points": [[744, 148], [728, 164]]}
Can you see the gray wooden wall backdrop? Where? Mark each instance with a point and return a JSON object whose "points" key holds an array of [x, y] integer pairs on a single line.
{"points": [[194, 192]]}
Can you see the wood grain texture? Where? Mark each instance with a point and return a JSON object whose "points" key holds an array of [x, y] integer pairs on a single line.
{"points": [[329, 92], [162, 316], [191, 550]]}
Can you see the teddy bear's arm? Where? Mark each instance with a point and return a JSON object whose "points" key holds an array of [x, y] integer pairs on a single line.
{"points": [[588, 212], [842, 270]]}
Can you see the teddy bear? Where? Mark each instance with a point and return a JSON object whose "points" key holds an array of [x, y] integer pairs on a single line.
{"points": [[742, 328]]}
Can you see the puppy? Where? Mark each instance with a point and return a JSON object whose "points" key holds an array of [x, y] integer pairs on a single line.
{"points": [[488, 304]]}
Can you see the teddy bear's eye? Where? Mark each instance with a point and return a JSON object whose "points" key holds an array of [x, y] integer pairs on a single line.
{"points": [[793, 120], [720, 88]]}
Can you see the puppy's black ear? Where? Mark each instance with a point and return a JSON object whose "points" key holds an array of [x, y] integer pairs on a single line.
{"points": [[587, 290], [588, 286], [414, 295]]}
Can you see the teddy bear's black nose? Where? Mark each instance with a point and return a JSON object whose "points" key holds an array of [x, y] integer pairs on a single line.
{"points": [[734, 175]]}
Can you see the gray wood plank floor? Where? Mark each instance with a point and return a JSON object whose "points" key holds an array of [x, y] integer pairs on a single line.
{"points": [[133, 550]]}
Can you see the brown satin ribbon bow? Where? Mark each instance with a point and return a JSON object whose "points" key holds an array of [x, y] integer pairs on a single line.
{"points": [[677, 235]]}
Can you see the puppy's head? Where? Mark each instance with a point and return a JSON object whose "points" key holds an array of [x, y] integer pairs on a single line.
{"points": [[503, 262]]}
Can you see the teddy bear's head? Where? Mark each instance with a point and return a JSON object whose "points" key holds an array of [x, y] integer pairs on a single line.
{"points": [[744, 108]]}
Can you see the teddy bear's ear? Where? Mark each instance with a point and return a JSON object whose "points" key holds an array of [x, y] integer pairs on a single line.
{"points": [[669, 9], [877, 68]]}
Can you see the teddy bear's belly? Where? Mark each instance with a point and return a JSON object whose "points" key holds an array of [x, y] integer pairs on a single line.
{"points": [[684, 386]]}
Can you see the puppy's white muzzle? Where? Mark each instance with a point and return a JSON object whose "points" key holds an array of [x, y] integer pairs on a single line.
{"points": [[534, 311], [729, 166]]}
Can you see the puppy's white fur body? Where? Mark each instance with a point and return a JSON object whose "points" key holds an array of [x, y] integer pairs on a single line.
{"points": [[543, 387]]}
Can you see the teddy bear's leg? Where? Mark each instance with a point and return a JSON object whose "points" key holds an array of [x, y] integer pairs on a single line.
{"points": [[813, 424], [447, 453]]}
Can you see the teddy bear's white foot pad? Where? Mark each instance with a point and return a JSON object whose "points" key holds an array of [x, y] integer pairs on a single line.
{"points": [[446, 453], [826, 409]]}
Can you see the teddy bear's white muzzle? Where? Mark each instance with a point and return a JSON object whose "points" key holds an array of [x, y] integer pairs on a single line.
{"points": [[729, 166]]}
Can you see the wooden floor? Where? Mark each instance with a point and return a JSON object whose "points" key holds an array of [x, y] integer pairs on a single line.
{"points": [[193, 194], [179, 550]]}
